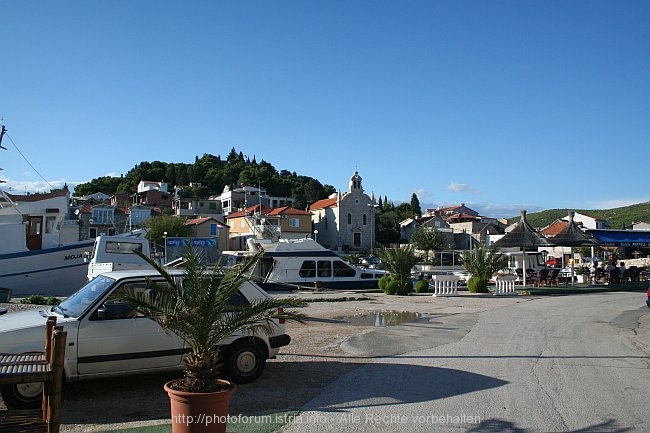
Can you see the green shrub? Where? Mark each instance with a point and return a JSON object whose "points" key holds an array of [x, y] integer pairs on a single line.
{"points": [[383, 282], [422, 286], [52, 301], [34, 299], [40, 300], [477, 285], [392, 287]]}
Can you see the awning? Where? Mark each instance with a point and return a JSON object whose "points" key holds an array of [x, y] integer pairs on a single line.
{"points": [[622, 238]]}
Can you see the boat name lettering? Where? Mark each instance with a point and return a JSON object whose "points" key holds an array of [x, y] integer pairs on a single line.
{"points": [[73, 256]]}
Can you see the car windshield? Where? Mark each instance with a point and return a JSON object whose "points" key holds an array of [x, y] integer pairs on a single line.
{"points": [[77, 303]]}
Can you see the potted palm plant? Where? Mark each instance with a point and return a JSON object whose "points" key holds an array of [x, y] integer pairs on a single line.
{"points": [[197, 308]]}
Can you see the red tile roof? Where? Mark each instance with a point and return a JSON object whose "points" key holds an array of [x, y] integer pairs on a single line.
{"points": [[322, 204], [37, 197], [287, 210], [250, 210], [554, 228], [196, 221]]}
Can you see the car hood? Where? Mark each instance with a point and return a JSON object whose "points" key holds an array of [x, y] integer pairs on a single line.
{"points": [[14, 321], [23, 331]]}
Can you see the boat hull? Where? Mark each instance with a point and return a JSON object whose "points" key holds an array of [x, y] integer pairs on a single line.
{"points": [[358, 285], [58, 271]]}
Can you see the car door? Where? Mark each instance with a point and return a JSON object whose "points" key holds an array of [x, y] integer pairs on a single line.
{"points": [[114, 338]]}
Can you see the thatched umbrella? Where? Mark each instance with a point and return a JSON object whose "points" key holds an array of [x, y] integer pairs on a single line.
{"points": [[571, 236], [523, 236]]}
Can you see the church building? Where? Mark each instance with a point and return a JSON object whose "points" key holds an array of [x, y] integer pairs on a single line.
{"points": [[346, 221]]}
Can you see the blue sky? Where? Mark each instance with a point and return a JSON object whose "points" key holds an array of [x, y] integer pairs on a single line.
{"points": [[501, 105]]}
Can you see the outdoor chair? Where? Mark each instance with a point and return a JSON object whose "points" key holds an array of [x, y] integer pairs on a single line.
{"points": [[598, 275], [520, 275], [629, 275], [614, 276], [552, 278], [541, 277]]}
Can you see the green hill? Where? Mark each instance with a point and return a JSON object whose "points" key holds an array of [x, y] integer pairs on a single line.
{"points": [[618, 218]]}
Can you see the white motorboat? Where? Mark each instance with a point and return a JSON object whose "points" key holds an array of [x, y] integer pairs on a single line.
{"points": [[289, 264], [40, 251]]}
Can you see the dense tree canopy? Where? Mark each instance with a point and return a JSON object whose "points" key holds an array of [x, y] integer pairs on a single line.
{"points": [[213, 174]]}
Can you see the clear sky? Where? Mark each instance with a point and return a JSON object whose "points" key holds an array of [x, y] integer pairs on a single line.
{"points": [[501, 105]]}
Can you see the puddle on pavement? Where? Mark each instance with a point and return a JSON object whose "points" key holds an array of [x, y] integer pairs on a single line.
{"points": [[381, 318]]}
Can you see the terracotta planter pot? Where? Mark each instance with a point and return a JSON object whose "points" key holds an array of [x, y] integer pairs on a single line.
{"points": [[196, 412]]}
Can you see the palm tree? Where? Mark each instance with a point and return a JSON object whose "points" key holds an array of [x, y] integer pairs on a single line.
{"points": [[197, 308], [483, 262], [399, 262]]}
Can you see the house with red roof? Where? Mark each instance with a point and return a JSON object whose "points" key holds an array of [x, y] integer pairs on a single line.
{"points": [[209, 227], [258, 220]]}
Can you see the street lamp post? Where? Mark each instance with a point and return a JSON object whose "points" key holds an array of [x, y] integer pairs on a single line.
{"points": [[165, 237], [372, 226], [316, 235]]}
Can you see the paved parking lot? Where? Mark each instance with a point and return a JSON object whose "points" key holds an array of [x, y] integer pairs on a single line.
{"points": [[343, 330]]}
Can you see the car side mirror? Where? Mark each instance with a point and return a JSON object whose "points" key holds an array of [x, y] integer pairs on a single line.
{"points": [[103, 313]]}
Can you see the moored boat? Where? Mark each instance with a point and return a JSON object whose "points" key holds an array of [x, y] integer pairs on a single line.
{"points": [[40, 251], [289, 264]]}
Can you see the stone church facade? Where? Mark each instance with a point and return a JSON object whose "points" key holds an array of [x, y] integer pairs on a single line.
{"points": [[346, 221]]}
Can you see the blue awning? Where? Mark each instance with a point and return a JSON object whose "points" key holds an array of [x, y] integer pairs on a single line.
{"points": [[622, 238]]}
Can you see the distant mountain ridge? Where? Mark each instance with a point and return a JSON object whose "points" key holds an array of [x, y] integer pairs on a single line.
{"points": [[618, 218]]}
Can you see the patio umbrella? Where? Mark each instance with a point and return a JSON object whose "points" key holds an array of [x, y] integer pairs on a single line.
{"points": [[571, 236], [523, 236]]}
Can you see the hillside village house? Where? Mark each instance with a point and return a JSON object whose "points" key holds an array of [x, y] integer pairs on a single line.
{"points": [[153, 194], [345, 220], [234, 199], [258, 220], [195, 206], [462, 226]]}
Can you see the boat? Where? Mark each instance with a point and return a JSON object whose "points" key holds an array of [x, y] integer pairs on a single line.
{"points": [[40, 252], [290, 264]]}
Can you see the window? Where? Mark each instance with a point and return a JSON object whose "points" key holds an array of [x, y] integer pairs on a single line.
{"points": [[213, 229], [349, 218], [324, 268], [92, 233], [237, 301], [342, 269], [122, 247], [294, 222], [365, 219], [242, 224], [102, 216], [308, 269], [50, 222], [115, 308], [357, 239]]}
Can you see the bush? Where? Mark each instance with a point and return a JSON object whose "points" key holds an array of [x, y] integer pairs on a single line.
{"points": [[477, 285], [40, 300], [422, 286], [383, 282], [392, 287], [388, 285]]}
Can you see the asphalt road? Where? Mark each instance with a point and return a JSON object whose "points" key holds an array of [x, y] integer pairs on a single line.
{"points": [[557, 364]]}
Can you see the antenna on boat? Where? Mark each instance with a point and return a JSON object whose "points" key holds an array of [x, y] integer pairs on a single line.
{"points": [[2, 134], [3, 131]]}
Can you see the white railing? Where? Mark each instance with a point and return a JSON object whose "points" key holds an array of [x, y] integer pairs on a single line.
{"points": [[505, 284], [445, 285]]}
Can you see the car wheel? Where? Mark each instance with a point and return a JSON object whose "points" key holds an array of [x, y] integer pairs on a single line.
{"points": [[22, 395], [244, 361]]}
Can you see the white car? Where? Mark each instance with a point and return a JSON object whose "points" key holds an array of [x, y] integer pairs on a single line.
{"points": [[107, 338]]}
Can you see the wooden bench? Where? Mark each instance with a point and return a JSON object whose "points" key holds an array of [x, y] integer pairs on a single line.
{"points": [[45, 367]]}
